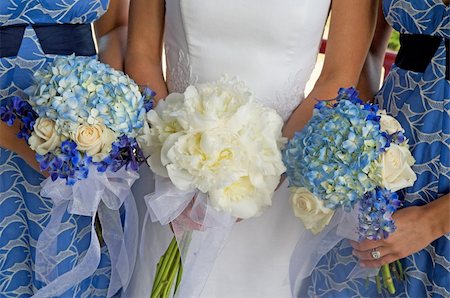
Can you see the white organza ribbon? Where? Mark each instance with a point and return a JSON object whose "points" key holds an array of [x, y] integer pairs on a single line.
{"points": [[102, 193], [311, 248], [201, 231]]}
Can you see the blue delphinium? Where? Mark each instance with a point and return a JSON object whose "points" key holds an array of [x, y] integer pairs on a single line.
{"points": [[69, 164], [13, 108], [375, 216], [124, 153]]}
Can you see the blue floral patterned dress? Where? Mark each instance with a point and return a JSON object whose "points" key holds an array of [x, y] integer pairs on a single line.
{"points": [[23, 213], [420, 100]]}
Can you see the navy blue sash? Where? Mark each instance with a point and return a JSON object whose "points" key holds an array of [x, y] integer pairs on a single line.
{"points": [[57, 39], [416, 52]]}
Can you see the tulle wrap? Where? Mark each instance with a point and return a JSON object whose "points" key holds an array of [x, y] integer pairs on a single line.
{"points": [[311, 248], [101, 194], [201, 231]]}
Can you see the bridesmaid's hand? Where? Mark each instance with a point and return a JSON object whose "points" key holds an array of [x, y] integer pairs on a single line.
{"points": [[417, 227], [9, 140]]}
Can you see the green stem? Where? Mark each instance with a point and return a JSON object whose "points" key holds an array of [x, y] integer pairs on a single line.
{"points": [[179, 275], [377, 280], [400, 269], [173, 271], [387, 278], [166, 261]]}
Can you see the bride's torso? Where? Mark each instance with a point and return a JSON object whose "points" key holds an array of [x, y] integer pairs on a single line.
{"points": [[271, 45]]}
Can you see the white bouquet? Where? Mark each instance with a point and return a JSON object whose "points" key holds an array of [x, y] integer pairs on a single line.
{"points": [[216, 143]]}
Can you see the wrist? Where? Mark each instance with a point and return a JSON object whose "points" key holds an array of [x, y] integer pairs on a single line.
{"points": [[436, 215]]}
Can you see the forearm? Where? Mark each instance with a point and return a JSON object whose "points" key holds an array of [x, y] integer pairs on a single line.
{"points": [[438, 215], [112, 48], [351, 31], [144, 51], [146, 73], [369, 81], [325, 88]]}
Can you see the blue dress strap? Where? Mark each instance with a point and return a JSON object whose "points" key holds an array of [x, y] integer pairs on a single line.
{"points": [[429, 17]]}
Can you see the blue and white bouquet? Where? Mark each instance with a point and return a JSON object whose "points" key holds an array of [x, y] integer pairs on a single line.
{"points": [[86, 122], [352, 156]]}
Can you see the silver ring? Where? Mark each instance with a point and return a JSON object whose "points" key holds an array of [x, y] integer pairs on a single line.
{"points": [[376, 254]]}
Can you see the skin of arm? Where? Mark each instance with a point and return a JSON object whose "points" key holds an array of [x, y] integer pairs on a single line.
{"points": [[144, 49], [351, 31], [369, 81], [111, 30]]}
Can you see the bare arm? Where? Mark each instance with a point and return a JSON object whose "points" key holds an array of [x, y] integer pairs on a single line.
{"points": [[369, 80], [111, 31], [145, 37], [351, 31]]}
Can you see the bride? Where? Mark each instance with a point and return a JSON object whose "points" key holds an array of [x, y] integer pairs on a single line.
{"points": [[272, 46]]}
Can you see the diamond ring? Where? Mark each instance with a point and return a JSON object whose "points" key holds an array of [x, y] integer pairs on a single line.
{"points": [[376, 254]]}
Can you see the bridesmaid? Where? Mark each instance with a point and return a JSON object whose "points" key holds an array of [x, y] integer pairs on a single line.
{"points": [[32, 33], [417, 93]]}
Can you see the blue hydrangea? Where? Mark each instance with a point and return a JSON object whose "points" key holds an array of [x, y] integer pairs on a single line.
{"points": [[81, 90], [335, 155]]}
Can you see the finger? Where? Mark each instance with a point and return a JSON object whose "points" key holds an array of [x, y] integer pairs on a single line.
{"points": [[366, 244], [367, 254], [387, 259]]}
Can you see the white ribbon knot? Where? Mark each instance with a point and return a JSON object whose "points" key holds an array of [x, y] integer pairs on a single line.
{"points": [[102, 194]]}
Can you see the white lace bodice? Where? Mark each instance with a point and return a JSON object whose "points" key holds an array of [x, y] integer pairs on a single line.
{"points": [[271, 45]]}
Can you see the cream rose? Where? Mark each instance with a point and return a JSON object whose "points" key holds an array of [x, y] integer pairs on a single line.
{"points": [[44, 137], [396, 172], [388, 123], [314, 215], [95, 140]]}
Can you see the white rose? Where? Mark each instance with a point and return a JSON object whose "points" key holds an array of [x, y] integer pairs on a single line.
{"points": [[243, 198], [396, 172], [388, 123], [44, 138], [314, 215], [95, 140]]}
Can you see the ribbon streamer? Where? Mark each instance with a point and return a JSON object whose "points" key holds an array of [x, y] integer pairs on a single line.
{"points": [[311, 248], [201, 231], [102, 193]]}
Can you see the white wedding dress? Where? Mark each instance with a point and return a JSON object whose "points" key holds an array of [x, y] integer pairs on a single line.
{"points": [[272, 46]]}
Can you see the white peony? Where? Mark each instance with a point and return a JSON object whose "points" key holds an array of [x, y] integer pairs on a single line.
{"points": [[243, 198], [311, 210], [388, 123], [44, 137], [213, 104], [164, 122], [396, 172], [205, 160], [96, 140], [216, 138]]}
